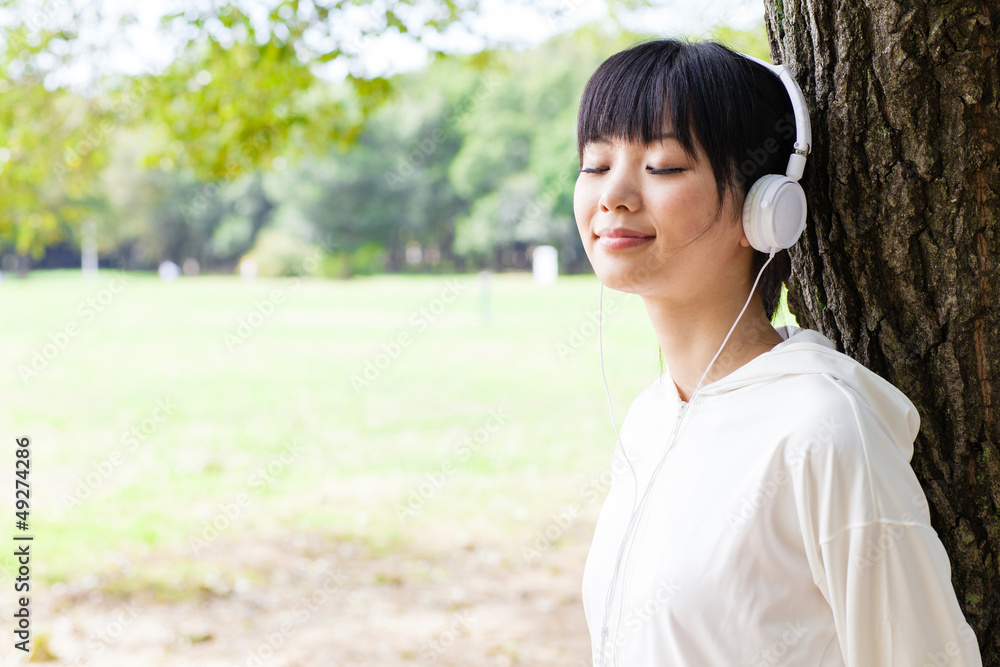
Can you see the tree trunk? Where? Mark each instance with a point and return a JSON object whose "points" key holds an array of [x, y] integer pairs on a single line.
{"points": [[898, 264]]}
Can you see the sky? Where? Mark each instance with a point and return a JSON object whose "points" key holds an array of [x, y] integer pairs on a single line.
{"points": [[141, 46]]}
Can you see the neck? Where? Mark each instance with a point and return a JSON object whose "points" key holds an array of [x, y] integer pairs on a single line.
{"points": [[690, 334]]}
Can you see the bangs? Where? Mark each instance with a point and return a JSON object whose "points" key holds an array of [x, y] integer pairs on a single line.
{"points": [[636, 96], [700, 92]]}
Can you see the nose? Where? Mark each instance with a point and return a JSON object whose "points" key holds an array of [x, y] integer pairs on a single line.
{"points": [[621, 193]]}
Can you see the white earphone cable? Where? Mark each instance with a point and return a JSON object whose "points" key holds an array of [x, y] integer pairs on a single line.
{"points": [[733, 328], [619, 447]]}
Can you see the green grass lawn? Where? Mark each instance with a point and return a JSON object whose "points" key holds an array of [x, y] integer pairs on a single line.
{"points": [[153, 412]]}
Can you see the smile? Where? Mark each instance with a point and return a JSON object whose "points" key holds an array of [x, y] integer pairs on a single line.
{"points": [[619, 238]]}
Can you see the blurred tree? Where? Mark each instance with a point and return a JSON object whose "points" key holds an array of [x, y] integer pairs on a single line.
{"points": [[243, 92], [751, 42], [51, 144], [246, 90], [153, 214], [476, 154]]}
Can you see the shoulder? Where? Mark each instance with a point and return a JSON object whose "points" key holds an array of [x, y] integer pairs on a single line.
{"points": [[848, 453], [818, 400], [821, 392]]}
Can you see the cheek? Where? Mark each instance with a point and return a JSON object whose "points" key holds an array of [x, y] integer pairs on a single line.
{"points": [[682, 213], [687, 210], [584, 206]]}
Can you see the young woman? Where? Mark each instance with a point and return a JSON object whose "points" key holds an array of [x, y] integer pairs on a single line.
{"points": [[762, 510]]}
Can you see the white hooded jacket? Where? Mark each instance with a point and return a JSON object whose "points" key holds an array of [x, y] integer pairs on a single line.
{"points": [[784, 527]]}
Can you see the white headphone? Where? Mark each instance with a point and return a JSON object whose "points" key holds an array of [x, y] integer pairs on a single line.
{"points": [[774, 213]]}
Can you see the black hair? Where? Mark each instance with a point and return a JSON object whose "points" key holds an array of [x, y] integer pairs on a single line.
{"points": [[735, 109]]}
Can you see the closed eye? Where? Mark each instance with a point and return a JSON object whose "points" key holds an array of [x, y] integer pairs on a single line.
{"points": [[593, 170], [672, 170]]}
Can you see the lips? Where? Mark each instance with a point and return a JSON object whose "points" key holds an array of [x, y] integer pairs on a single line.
{"points": [[620, 238]]}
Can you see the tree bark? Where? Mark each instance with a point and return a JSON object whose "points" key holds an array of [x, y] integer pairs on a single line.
{"points": [[898, 264]]}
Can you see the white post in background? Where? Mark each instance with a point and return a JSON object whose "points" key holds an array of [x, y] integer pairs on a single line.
{"points": [[248, 268], [88, 248], [545, 265]]}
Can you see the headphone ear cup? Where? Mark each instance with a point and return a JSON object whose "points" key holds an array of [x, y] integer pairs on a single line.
{"points": [[774, 213]]}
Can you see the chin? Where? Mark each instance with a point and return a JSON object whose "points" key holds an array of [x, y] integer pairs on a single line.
{"points": [[633, 271], [621, 279]]}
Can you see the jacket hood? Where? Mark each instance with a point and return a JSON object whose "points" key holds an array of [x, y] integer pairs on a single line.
{"points": [[805, 351]]}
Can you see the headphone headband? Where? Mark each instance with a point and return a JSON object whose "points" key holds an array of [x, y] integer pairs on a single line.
{"points": [[803, 130]]}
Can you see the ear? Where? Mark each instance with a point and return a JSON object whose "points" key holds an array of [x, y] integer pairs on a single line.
{"points": [[744, 241]]}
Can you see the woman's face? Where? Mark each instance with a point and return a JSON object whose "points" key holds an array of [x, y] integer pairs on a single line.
{"points": [[645, 214]]}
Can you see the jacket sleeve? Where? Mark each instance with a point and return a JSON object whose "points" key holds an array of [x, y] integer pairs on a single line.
{"points": [[871, 548]]}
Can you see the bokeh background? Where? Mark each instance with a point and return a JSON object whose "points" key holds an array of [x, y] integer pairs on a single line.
{"points": [[268, 317]]}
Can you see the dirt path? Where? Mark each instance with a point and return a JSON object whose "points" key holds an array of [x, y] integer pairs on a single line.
{"points": [[309, 600]]}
